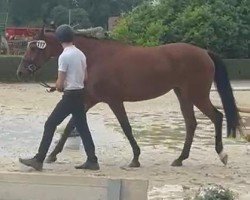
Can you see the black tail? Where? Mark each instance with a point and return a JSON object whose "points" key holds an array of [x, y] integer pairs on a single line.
{"points": [[225, 91]]}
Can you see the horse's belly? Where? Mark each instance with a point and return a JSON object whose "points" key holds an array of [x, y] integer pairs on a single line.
{"points": [[138, 92], [134, 83]]}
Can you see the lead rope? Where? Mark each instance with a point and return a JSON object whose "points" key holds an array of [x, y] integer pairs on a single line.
{"points": [[49, 88]]}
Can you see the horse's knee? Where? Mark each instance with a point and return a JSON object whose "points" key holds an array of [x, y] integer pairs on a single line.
{"points": [[126, 127], [191, 125], [137, 151]]}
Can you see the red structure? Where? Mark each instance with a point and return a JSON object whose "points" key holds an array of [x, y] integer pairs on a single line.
{"points": [[17, 38], [12, 33]]}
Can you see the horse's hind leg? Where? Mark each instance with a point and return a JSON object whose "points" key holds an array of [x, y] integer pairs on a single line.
{"points": [[216, 117], [59, 147], [187, 109], [120, 113]]}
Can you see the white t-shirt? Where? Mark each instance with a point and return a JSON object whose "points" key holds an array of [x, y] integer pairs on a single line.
{"points": [[73, 62]]}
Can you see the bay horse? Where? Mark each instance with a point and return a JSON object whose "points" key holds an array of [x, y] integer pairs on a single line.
{"points": [[120, 72]]}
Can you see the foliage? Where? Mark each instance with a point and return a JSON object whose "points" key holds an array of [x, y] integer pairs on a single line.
{"points": [[80, 18], [84, 12], [142, 32], [214, 192], [59, 15], [24, 11], [219, 25]]}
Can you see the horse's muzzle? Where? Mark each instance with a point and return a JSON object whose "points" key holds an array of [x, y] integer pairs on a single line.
{"points": [[25, 73]]}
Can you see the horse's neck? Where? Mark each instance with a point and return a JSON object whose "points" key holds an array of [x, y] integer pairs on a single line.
{"points": [[91, 46], [56, 49], [87, 45]]}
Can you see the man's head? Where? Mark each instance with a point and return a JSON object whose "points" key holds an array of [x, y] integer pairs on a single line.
{"points": [[64, 33]]}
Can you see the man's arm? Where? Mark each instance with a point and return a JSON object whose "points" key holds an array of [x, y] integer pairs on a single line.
{"points": [[60, 81]]}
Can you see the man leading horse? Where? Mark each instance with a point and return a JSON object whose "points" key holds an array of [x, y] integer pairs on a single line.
{"points": [[71, 74]]}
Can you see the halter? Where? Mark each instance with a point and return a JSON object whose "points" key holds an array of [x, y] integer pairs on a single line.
{"points": [[40, 44], [31, 67]]}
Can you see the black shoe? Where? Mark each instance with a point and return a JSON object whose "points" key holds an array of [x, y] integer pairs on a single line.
{"points": [[89, 165], [33, 162]]}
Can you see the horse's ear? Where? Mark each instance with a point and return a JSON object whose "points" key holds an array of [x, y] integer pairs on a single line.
{"points": [[53, 25], [41, 34]]}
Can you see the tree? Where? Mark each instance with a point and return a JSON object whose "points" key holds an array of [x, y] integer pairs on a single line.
{"points": [[60, 15], [216, 25], [219, 25], [25, 11], [80, 18], [93, 12], [143, 26], [100, 10]]}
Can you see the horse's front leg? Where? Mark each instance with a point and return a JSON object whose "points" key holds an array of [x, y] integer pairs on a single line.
{"points": [[59, 147], [120, 113]]}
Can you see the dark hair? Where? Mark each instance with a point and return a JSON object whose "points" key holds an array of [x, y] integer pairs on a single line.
{"points": [[64, 33]]}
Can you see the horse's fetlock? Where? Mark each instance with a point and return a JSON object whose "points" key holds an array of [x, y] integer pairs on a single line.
{"points": [[137, 151], [219, 148], [219, 117]]}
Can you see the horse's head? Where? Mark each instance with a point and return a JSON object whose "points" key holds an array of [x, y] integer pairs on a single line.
{"points": [[39, 50]]}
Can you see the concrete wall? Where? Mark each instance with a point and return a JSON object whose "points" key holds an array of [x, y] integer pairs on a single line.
{"points": [[20, 186]]}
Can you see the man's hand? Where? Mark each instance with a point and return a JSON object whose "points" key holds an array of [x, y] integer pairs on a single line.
{"points": [[60, 81], [52, 89]]}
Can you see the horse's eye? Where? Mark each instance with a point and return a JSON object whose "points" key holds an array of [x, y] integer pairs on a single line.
{"points": [[32, 47]]}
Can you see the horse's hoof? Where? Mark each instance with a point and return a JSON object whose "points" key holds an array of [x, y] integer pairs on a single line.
{"points": [[134, 163], [89, 165], [223, 157], [51, 159], [177, 163]]}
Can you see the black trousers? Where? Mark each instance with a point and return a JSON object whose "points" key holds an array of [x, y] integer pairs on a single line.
{"points": [[71, 103]]}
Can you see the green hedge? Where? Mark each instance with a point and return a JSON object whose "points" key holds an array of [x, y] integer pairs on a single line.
{"points": [[221, 26], [237, 69], [9, 65]]}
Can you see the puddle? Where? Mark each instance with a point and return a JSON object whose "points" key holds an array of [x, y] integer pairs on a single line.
{"points": [[22, 133], [163, 129]]}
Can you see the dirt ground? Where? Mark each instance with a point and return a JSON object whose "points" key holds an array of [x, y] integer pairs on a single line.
{"points": [[158, 127]]}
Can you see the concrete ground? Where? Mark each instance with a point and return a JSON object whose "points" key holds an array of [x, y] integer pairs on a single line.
{"points": [[158, 127]]}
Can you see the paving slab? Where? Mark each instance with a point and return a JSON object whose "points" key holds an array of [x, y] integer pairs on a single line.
{"points": [[29, 186]]}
